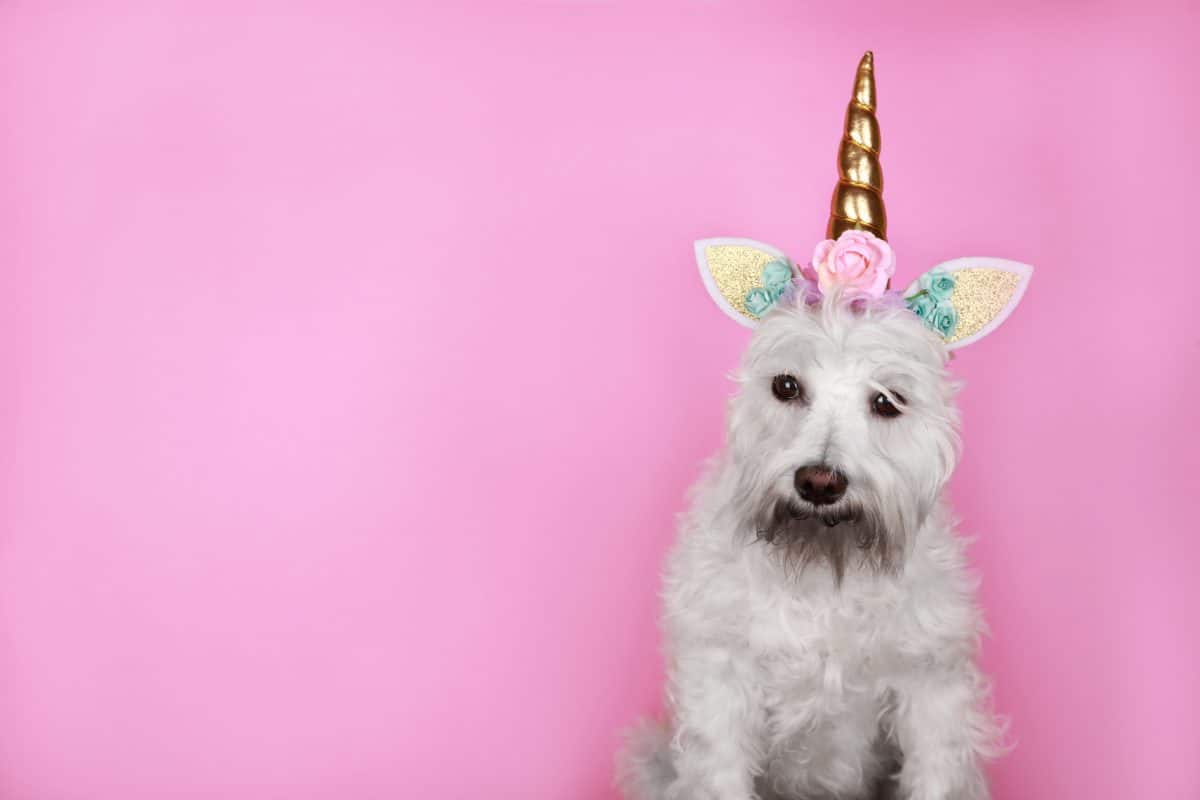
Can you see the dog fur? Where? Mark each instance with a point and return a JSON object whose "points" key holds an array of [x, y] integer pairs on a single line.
{"points": [[821, 652]]}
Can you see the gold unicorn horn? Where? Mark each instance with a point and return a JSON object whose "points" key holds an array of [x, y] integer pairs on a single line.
{"points": [[858, 198]]}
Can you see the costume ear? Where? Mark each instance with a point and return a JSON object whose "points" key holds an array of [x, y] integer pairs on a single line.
{"points": [[966, 299], [744, 277]]}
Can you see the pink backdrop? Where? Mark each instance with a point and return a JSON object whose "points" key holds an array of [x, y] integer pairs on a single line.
{"points": [[355, 365]]}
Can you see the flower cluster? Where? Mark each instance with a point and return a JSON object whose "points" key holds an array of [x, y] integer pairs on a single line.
{"points": [[932, 302], [859, 265], [777, 280]]}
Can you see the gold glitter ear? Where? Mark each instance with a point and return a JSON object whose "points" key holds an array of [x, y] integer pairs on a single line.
{"points": [[966, 299], [733, 273]]}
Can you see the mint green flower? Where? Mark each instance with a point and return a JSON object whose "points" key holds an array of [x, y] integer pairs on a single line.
{"points": [[944, 320], [776, 276], [922, 304], [758, 301], [932, 303], [777, 280], [939, 284]]}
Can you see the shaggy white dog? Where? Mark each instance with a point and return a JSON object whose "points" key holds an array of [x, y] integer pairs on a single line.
{"points": [[819, 616]]}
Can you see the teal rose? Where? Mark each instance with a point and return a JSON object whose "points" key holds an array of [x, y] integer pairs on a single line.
{"points": [[939, 284], [777, 280], [758, 301], [944, 320], [776, 276], [923, 305]]}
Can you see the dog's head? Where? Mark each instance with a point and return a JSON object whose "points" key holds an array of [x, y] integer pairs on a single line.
{"points": [[844, 432]]}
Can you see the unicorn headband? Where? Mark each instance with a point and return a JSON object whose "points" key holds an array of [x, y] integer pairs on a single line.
{"points": [[961, 300]]}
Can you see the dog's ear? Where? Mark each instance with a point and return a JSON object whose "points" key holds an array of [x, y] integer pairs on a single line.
{"points": [[744, 277], [966, 299]]}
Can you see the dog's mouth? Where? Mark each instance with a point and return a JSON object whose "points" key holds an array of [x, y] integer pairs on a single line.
{"points": [[834, 534], [829, 517], [789, 521]]}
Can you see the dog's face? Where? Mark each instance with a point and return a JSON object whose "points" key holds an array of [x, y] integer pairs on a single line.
{"points": [[844, 432]]}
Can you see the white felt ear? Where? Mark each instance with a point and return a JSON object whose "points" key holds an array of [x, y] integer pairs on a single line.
{"points": [[980, 295], [733, 268]]}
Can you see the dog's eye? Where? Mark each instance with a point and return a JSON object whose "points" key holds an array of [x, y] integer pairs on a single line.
{"points": [[882, 406], [786, 387]]}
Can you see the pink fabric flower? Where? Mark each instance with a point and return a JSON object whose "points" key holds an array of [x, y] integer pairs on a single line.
{"points": [[859, 262]]}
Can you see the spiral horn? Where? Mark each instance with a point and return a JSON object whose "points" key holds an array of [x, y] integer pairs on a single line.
{"points": [[858, 198]]}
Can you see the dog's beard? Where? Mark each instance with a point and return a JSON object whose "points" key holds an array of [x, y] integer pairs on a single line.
{"points": [[852, 537]]}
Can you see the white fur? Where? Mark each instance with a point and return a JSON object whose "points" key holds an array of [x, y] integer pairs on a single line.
{"points": [[785, 684]]}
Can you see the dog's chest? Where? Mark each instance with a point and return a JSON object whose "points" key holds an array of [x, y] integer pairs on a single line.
{"points": [[819, 646]]}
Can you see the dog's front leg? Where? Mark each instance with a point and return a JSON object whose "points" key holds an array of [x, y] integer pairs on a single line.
{"points": [[718, 717], [944, 733]]}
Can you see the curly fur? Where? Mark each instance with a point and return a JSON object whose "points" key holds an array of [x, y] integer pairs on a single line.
{"points": [[824, 652]]}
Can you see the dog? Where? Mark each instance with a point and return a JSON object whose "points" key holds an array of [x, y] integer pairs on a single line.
{"points": [[820, 618]]}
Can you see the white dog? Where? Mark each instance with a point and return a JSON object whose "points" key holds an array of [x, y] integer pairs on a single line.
{"points": [[820, 619]]}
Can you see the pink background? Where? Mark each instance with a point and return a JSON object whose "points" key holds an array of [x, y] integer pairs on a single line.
{"points": [[355, 365]]}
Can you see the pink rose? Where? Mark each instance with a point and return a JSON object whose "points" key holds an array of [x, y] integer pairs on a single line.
{"points": [[859, 262]]}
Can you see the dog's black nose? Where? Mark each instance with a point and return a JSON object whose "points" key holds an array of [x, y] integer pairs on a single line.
{"points": [[820, 485]]}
